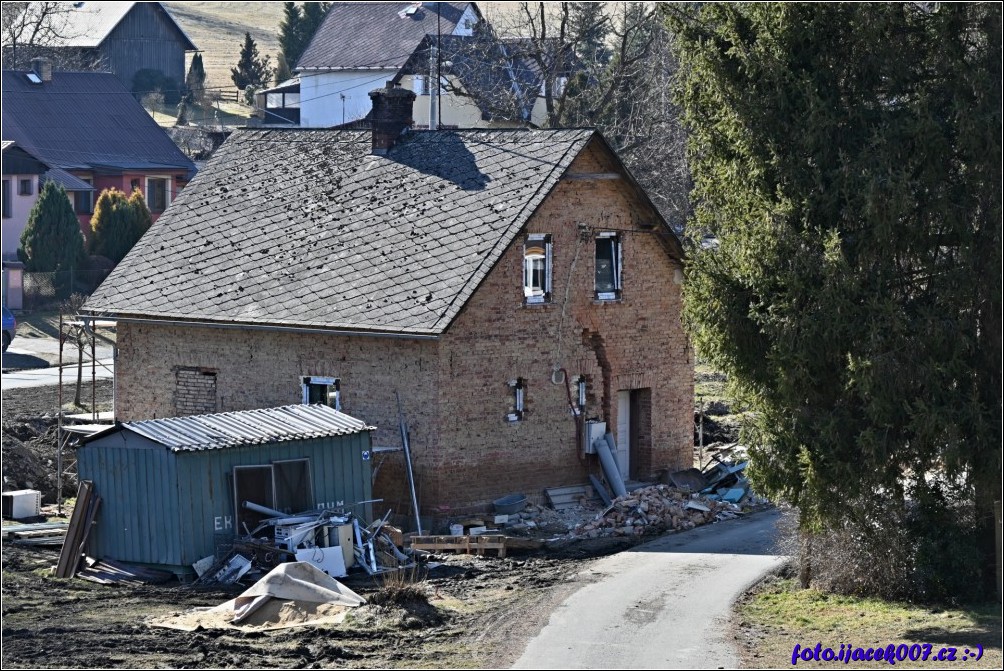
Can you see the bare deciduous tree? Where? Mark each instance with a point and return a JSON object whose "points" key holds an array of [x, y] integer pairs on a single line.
{"points": [[31, 30], [586, 64]]}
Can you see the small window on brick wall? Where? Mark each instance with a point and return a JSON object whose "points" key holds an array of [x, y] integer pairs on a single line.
{"points": [[323, 390], [517, 407], [195, 391], [537, 255], [580, 386], [608, 266]]}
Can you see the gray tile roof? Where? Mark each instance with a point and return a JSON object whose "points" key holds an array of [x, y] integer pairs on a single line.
{"points": [[66, 180], [357, 35], [246, 427], [85, 120], [306, 228]]}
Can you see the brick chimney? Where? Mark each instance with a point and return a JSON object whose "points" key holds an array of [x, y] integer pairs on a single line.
{"points": [[43, 68], [392, 109]]}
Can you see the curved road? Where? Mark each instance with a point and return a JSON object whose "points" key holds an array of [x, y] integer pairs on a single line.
{"points": [[664, 604]]}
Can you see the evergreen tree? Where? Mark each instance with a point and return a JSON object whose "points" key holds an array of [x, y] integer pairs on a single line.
{"points": [[51, 240], [195, 81], [251, 70], [290, 39], [848, 160], [142, 220], [295, 32], [112, 226]]}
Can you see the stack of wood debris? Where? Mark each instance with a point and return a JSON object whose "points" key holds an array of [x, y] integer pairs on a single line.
{"points": [[656, 509]]}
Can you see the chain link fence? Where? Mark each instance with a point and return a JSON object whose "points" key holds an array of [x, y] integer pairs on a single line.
{"points": [[43, 290]]}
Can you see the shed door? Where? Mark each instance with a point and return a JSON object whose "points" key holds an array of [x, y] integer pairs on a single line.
{"points": [[254, 484]]}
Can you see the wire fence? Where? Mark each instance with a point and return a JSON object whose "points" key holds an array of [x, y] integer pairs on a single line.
{"points": [[41, 290]]}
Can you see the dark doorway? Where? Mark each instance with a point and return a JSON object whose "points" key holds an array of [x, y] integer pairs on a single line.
{"points": [[640, 434]]}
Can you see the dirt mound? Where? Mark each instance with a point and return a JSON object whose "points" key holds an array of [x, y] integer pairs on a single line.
{"points": [[29, 450]]}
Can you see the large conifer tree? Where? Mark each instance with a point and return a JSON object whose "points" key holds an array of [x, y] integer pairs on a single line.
{"points": [[848, 160]]}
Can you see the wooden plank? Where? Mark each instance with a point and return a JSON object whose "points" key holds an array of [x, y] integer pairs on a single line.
{"points": [[69, 557]]}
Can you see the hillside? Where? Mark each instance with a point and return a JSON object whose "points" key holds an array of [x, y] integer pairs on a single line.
{"points": [[217, 29]]}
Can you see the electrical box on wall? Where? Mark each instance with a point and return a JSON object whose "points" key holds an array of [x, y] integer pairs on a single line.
{"points": [[593, 431]]}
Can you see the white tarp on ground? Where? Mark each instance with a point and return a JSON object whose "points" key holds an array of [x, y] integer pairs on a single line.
{"points": [[291, 595]]}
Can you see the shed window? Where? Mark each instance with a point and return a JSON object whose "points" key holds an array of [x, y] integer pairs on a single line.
{"points": [[283, 485], [24, 187], [537, 260], [323, 390], [608, 266], [518, 407], [293, 490]]}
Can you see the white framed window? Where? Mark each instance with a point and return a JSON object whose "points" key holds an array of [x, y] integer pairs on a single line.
{"points": [[608, 266], [158, 193], [323, 390], [537, 261], [420, 85], [518, 407]]}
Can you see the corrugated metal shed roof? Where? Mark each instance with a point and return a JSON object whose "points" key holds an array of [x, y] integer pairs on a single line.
{"points": [[246, 427]]}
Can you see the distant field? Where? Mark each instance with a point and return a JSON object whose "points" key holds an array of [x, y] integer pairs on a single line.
{"points": [[217, 29]]}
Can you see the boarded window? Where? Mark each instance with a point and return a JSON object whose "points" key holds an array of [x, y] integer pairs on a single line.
{"points": [[254, 484], [195, 391]]}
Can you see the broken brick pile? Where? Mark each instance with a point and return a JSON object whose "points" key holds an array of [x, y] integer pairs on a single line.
{"points": [[655, 509]]}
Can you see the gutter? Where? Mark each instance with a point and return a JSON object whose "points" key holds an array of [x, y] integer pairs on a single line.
{"points": [[263, 327]]}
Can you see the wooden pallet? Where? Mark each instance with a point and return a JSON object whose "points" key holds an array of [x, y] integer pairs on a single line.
{"points": [[466, 544]]}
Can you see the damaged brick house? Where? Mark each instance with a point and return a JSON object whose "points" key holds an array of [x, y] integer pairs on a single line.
{"points": [[508, 284]]}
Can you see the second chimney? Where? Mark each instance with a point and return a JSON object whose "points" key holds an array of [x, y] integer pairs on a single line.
{"points": [[43, 68], [392, 110]]}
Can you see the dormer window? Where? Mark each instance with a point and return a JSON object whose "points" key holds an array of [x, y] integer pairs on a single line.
{"points": [[608, 266], [537, 269]]}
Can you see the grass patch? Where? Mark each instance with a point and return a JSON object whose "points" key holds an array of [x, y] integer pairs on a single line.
{"points": [[709, 384], [777, 615]]}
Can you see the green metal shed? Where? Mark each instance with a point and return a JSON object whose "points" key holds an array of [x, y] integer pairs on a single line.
{"points": [[172, 489]]}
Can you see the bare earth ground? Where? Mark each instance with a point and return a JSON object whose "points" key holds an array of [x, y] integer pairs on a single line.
{"points": [[480, 610], [483, 609]]}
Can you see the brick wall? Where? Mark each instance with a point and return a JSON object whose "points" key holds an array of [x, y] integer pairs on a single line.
{"points": [[258, 369], [633, 343], [455, 391]]}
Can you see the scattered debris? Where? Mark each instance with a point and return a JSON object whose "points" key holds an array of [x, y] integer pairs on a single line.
{"points": [[655, 509], [478, 544], [562, 498], [109, 572], [46, 533], [75, 543]]}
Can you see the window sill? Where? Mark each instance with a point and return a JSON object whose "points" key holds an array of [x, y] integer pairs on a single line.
{"points": [[534, 306], [608, 301]]}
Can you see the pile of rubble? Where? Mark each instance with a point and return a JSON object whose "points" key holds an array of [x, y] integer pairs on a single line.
{"points": [[655, 509]]}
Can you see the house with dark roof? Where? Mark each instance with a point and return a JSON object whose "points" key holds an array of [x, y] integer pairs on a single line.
{"points": [[360, 45], [514, 288], [91, 132], [24, 175], [118, 37]]}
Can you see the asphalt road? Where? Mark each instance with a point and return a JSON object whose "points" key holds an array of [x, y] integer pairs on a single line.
{"points": [[43, 377], [661, 605]]}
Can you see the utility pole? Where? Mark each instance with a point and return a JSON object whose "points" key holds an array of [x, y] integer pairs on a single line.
{"points": [[433, 83]]}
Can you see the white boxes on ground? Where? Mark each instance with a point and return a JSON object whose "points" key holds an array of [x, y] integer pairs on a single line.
{"points": [[329, 560], [22, 503]]}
